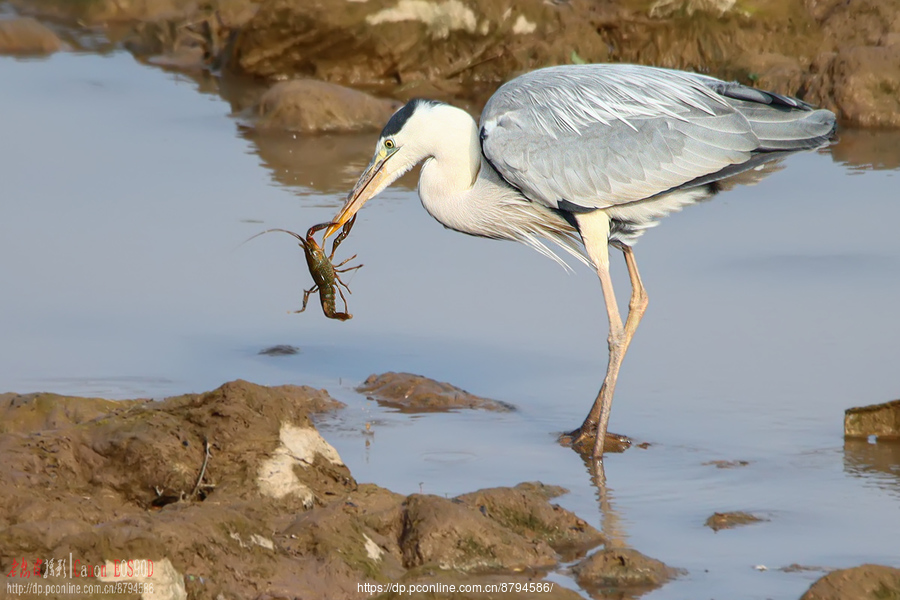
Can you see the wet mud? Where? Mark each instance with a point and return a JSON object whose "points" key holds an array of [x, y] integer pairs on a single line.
{"points": [[234, 492]]}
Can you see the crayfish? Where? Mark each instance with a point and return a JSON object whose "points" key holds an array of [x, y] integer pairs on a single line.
{"points": [[325, 274]]}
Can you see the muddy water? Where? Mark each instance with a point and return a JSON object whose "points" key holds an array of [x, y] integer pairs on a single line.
{"points": [[127, 194]]}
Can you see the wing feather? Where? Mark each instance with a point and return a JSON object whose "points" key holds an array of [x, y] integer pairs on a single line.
{"points": [[598, 136]]}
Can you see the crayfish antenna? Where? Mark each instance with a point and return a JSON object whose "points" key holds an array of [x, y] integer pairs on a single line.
{"points": [[270, 231]]}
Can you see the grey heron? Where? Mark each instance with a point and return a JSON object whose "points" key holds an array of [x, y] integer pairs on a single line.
{"points": [[587, 156]]}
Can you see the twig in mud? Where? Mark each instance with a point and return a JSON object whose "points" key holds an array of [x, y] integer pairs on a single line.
{"points": [[202, 469], [474, 63]]}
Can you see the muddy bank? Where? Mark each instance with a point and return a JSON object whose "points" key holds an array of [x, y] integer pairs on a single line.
{"points": [[234, 492], [843, 56]]}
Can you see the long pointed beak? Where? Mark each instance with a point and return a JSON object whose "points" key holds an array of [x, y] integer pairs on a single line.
{"points": [[368, 185]]}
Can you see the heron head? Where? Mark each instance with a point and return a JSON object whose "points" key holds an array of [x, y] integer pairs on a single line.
{"points": [[400, 147]]}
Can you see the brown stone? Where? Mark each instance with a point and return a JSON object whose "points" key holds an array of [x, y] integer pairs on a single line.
{"points": [[730, 520], [614, 570], [102, 11], [866, 582], [416, 394], [309, 106], [524, 509], [27, 37], [881, 420], [383, 42], [450, 535], [867, 86]]}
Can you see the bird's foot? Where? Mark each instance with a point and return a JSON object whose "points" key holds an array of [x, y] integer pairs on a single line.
{"points": [[581, 441]]}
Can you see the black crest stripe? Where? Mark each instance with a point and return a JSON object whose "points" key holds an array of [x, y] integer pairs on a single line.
{"points": [[399, 119]]}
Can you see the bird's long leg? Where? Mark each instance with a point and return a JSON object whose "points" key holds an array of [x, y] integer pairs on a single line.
{"points": [[594, 230], [639, 299], [636, 308], [617, 349], [596, 419]]}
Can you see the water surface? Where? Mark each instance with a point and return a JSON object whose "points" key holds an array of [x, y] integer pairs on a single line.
{"points": [[127, 195]]}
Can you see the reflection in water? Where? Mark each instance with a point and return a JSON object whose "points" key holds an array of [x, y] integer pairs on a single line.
{"points": [[878, 463], [751, 177], [867, 149], [611, 527], [328, 164]]}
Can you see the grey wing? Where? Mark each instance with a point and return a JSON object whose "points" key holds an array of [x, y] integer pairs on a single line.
{"points": [[596, 136]]}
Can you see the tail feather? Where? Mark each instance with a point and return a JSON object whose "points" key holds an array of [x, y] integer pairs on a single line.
{"points": [[781, 123], [808, 129]]}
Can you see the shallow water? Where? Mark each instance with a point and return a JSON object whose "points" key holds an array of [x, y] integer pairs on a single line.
{"points": [[126, 196]]}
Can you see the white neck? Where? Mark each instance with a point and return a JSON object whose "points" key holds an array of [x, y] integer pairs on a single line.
{"points": [[451, 167]]}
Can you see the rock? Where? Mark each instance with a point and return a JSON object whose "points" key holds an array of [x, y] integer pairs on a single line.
{"points": [[669, 8], [416, 394], [450, 535], [867, 86], [310, 106], [881, 420], [280, 350], [391, 42], [27, 37], [32, 413], [840, 55], [771, 71], [101, 11], [266, 509], [524, 509], [727, 464], [192, 38], [127, 482], [381, 510], [866, 582], [609, 572], [797, 568], [144, 451], [730, 520], [337, 530]]}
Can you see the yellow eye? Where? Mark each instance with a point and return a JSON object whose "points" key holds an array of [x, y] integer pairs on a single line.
{"points": [[388, 144]]}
